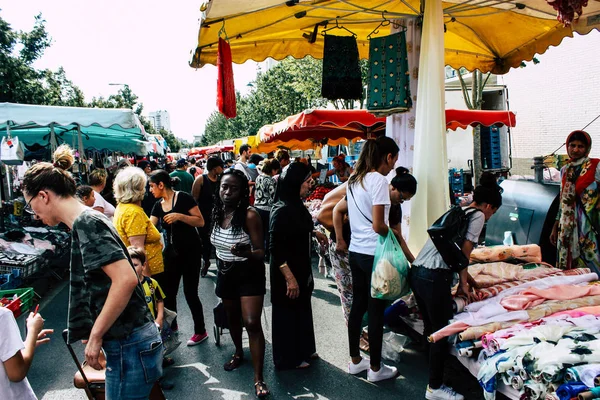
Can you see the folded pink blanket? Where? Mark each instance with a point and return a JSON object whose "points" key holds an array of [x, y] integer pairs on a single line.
{"points": [[527, 253], [532, 297]]}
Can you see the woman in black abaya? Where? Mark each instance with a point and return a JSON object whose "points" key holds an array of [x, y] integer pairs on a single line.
{"points": [[291, 272]]}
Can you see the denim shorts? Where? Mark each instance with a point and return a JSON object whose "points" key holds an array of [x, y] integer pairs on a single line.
{"points": [[133, 364]]}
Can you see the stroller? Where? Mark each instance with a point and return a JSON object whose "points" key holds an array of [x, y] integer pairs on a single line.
{"points": [[220, 317]]}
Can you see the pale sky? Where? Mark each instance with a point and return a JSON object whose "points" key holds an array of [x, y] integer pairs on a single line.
{"points": [[145, 44]]}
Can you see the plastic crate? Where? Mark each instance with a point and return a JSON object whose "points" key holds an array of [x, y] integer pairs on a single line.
{"points": [[22, 303], [12, 280]]}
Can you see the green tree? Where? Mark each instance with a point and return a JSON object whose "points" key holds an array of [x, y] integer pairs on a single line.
{"points": [[20, 82]]}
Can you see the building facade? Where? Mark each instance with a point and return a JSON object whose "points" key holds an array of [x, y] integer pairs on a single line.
{"points": [[553, 98], [160, 120]]}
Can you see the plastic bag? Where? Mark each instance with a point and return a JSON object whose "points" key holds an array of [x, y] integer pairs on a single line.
{"points": [[393, 345], [390, 270]]}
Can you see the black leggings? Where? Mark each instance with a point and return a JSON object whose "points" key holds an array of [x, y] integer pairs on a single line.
{"points": [[432, 290], [185, 265], [361, 266]]}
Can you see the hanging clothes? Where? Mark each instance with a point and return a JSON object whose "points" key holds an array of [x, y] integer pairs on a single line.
{"points": [[341, 72], [225, 87], [389, 77]]}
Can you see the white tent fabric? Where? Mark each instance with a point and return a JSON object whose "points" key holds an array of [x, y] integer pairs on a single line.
{"points": [[430, 158], [401, 127], [23, 114]]}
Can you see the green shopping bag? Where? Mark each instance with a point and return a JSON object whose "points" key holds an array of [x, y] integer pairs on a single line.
{"points": [[389, 280]]}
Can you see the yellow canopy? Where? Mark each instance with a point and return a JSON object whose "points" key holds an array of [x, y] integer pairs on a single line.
{"points": [[487, 35]]}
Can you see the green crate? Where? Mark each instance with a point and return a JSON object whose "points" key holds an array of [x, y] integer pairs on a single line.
{"points": [[24, 294]]}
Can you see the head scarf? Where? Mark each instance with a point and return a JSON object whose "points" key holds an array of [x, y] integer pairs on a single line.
{"points": [[290, 181], [586, 136]]}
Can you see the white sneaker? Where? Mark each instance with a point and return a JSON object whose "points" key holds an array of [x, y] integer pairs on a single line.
{"points": [[363, 365], [385, 372], [443, 393]]}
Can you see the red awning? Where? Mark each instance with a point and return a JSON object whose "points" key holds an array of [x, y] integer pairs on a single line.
{"points": [[463, 118], [320, 124], [317, 125]]}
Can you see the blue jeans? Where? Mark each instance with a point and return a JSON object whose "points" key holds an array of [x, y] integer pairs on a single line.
{"points": [[133, 364]]}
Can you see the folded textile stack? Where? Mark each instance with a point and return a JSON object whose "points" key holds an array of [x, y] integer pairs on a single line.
{"points": [[530, 253], [560, 356], [505, 276]]}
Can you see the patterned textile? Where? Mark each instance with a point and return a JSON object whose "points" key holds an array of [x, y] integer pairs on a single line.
{"points": [[389, 87], [541, 356], [153, 294], [490, 274], [583, 373], [574, 277], [482, 294], [95, 243], [530, 253], [536, 313], [534, 296], [577, 242], [341, 72], [343, 278]]}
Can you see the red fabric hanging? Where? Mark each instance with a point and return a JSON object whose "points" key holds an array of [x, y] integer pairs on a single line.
{"points": [[225, 87]]}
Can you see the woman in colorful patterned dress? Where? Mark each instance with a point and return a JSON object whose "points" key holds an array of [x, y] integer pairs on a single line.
{"points": [[576, 230]]}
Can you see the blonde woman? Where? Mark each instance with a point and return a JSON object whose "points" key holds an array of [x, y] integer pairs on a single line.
{"points": [[132, 223]]}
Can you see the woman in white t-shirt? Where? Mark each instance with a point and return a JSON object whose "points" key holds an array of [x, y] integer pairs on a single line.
{"points": [[97, 181], [17, 356], [369, 203]]}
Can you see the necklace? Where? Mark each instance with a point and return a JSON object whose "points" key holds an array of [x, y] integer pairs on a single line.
{"points": [[227, 218]]}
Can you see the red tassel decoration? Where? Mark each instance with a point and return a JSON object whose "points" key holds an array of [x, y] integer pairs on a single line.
{"points": [[225, 87]]}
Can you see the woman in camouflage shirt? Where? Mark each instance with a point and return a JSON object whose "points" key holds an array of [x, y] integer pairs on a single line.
{"points": [[106, 305]]}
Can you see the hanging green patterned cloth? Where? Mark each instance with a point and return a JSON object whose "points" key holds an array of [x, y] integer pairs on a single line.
{"points": [[341, 72], [388, 86]]}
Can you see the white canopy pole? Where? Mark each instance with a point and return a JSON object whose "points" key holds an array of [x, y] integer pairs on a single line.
{"points": [[53, 144], [430, 159]]}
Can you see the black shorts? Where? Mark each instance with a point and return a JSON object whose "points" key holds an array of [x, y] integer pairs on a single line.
{"points": [[243, 278]]}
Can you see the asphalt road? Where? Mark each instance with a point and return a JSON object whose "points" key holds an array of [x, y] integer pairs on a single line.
{"points": [[198, 371]]}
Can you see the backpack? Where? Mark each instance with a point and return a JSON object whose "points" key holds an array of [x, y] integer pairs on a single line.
{"points": [[448, 234]]}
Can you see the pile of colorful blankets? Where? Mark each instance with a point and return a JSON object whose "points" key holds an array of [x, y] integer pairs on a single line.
{"points": [[532, 327]]}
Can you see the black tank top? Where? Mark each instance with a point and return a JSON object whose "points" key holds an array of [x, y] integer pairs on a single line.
{"points": [[205, 199]]}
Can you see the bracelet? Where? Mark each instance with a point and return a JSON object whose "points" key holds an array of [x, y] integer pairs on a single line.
{"points": [[283, 266]]}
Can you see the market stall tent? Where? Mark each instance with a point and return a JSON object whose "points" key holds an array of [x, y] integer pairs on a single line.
{"points": [[310, 128], [82, 128], [486, 35]]}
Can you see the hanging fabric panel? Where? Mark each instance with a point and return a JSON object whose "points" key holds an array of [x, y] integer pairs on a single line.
{"points": [[388, 89], [341, 72], [225, 87]]}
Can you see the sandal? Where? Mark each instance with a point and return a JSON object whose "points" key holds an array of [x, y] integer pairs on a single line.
{"points": [[234, 363], [261, 390]]}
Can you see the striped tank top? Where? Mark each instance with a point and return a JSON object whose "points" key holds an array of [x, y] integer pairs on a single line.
{"points": [[224, 239]]}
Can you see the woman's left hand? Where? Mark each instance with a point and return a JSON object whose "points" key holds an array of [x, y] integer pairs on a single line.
{"points": [[172, 217]]}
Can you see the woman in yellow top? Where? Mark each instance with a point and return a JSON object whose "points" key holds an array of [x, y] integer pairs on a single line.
{"points": [[130, 220]]}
